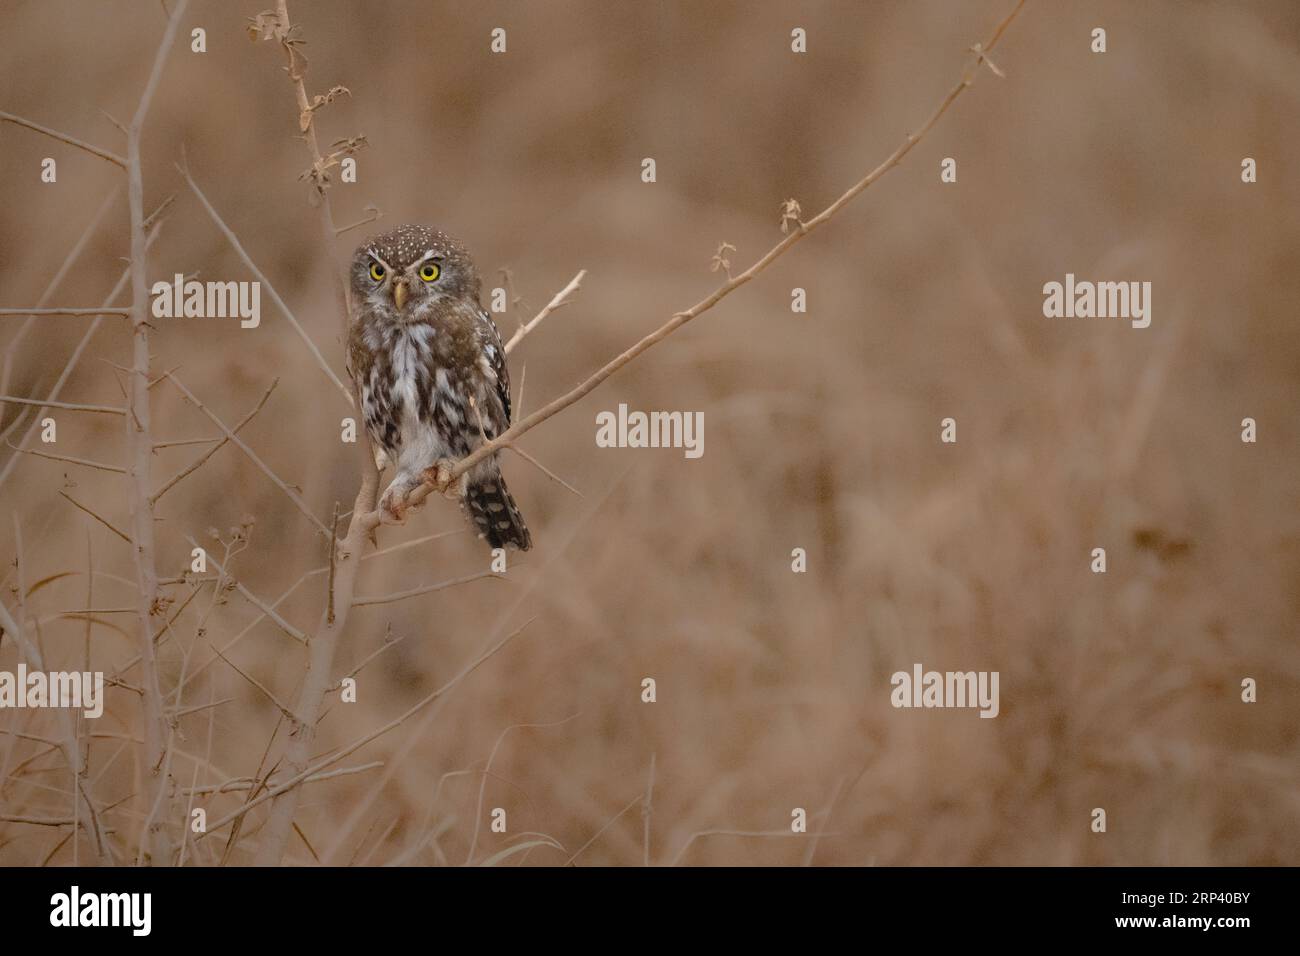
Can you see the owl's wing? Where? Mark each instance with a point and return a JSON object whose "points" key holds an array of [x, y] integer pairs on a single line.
{"points": [[495, 351], [357, 359]]}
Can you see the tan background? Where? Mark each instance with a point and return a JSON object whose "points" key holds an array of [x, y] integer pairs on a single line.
{"points": [[1119, 691]]}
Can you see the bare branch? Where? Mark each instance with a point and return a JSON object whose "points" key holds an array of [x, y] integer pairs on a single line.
{"points": [[41, 821], [87, 312], [321, 650], [12, 348], [64, 137], [104, 521], [388, 644], [312, 573], [157, 737], [544, 470], [220, 443], [181, 442], [241, 784], [512, 434], [647, 811], [423, 589], [72, 461], [254, 600], [252, 455], [334, 540], [608, 823], [374, 215], [186, 711], [70, 406], [561, 298], [261, 277], [151, 224], [258, 684], [360, 742], [279, 27]]}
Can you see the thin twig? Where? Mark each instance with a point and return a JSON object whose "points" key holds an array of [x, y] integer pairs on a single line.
{"points": [[560, 298], [647, 811], [334, 540], [179, 442], [70, 312], [296, 72], [241, 784], [151, 224], [254, 600], [360, 222], [70, 460], [11, 349], [68, 406], [261, 277], [258, 684], [252, 455], [102, 520], [423, 589], [220, 443], [388, 644], [360, 742], [194, 779], [64, 137], [608, 823], [544, 470]]}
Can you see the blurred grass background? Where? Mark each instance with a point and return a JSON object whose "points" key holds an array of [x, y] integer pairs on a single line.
{"points": [[1118, 691]]}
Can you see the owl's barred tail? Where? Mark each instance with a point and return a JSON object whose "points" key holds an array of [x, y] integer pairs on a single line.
{"points": [[489, 504]]}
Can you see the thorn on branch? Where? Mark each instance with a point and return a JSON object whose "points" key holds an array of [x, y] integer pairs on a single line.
{"points": [[982, 57], [720, 259], [159, 212], [791, 213], [112, 119], [560, 299], [371, 208]]}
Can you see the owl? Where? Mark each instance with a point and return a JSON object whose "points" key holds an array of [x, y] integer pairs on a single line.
{"points": [[430, 370]]}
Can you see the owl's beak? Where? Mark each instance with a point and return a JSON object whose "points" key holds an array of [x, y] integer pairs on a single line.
{"points": [[400, 293]]}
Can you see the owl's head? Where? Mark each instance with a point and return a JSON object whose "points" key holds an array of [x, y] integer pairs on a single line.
{"points": [[405, 274]]}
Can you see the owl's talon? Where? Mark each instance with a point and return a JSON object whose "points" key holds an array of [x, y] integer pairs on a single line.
{"points": [[439, 475], [392, 507]]}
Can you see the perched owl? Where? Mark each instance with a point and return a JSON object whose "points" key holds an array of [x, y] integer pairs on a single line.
{"points": [[431, 372]]}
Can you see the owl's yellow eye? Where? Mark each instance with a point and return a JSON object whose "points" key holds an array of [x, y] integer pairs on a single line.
{"points": [[377, 272], [429, 272]]}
